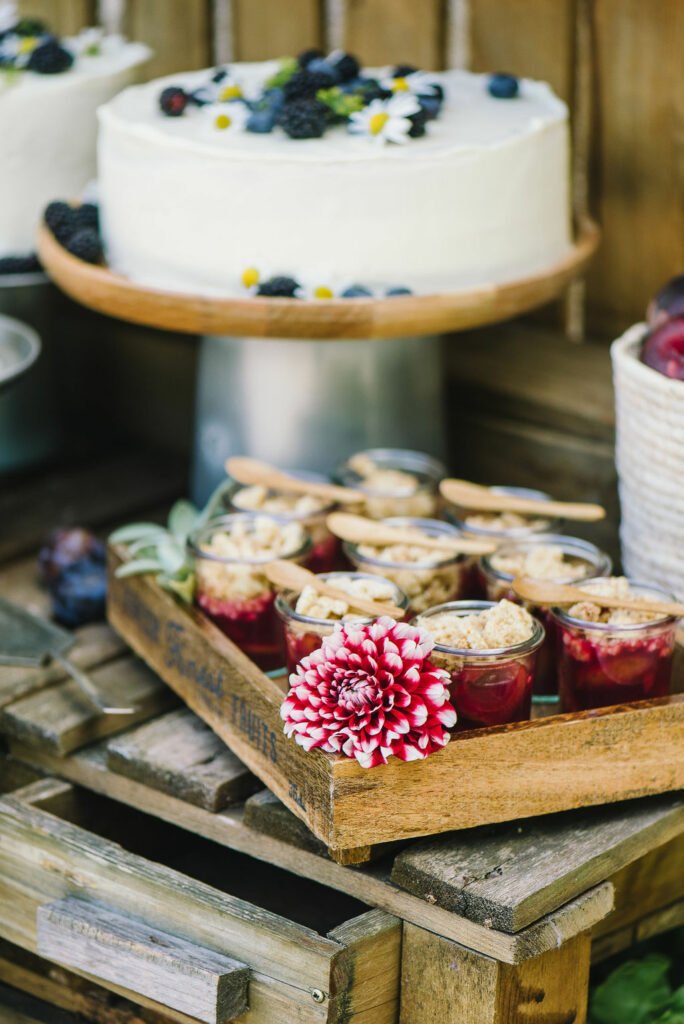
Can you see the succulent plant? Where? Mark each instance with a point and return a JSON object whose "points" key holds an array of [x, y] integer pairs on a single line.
{"points": [[164, 549]]}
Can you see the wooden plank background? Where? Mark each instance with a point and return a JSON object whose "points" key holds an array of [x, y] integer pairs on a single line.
{"points": [[628, 69]]}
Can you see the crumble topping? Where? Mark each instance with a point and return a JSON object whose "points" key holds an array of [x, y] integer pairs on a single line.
{"points": [[260, 499], [405, 554], [395, 482], [321, 606], [611, 586], [503, 625], [541, 562], [248, 545], [505, 521]]}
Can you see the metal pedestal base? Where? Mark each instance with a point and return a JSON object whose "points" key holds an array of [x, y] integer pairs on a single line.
{"points": [[309, 404]]}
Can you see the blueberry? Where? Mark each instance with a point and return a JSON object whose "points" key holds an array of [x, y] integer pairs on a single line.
{"points": [[356, 291], [431, 106], [323, 66], [261, 122], [274, 98], [503, 86], [79, 593], [398, 291]]}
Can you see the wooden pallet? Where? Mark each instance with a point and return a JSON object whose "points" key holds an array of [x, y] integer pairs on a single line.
{"points": [[489, 775]]}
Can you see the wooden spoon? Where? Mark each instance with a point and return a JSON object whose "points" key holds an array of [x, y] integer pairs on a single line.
{"points": [[542, 593], [358, 530], [474, 496], [253, 471], [291, 576]]}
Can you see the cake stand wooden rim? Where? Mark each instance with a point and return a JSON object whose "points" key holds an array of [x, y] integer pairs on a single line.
{"points": [[100, 289]]}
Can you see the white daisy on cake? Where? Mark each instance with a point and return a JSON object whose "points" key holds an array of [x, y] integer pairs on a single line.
{"points": [[8, 16], [385, 120], [418, 83], [226, 117]]}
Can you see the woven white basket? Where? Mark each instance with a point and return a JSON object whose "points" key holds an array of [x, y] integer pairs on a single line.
{"points": [[650, 462]]}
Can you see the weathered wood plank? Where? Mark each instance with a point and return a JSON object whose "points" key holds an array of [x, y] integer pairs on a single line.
{"points": [[61, 719], [177, 30], [95, 644], [261, 31], [605, 946], [437, 973], [509, 878], [664, 920], [161, 966], [646, 886], [265, 813], [372, 966], [371, 884], [396, 32], [178, 754]]}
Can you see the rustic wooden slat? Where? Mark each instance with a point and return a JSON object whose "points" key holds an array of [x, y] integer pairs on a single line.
{"points": [[178, 754], [177, 30], [96, 644], [605, 946], [531, 38], [46, 853], [511, 877], [664, 920], [373, 968], [371, 885], [640, 83], [114, 488], [61, 719], [265, 813], [436, 973], [65, 17], [169, 970], [396, 32], [263, 30]]}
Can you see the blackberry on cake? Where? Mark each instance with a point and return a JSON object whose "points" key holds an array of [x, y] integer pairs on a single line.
{"points": [[305, 84], [19, 265], [304, 119], [59, 217], [279, 287], [50, 59]]}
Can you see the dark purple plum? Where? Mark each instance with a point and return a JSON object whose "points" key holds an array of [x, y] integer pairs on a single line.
{"points": [[667, 303], [64, 547], [664, 348], [79, 593]]}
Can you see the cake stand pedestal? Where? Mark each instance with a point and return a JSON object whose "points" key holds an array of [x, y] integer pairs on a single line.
{"points": [[303, 383]]}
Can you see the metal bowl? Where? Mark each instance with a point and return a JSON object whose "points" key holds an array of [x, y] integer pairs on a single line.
{"points": [[19, 349]]}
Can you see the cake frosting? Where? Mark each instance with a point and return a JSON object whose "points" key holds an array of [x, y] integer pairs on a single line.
{"points": [[482, 197], [48, 128]]}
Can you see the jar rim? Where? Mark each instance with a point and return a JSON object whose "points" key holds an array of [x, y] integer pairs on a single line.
{"points": [[234, 486], [425, 466], [565, 619], [433, 527], [463, 608], [284, 598], [214, 524], [570, 545]]}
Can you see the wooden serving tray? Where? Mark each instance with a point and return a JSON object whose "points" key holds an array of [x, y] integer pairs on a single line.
{"points": [[101, 289], [483, 776]]}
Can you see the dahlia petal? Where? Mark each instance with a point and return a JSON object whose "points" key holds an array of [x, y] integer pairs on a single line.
{"points": [[407, 752]]}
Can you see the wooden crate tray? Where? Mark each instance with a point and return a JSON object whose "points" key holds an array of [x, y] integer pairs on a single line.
{"points": [[484, 776]]}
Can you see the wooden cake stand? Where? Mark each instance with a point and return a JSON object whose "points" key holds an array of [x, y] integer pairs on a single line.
{"points": [[327, 400]]}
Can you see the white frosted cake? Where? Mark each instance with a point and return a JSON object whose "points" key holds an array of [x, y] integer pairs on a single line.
{"points": [[47, 117], [217, 196]]}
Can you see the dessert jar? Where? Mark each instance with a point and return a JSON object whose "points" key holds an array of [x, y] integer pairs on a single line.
{"points": [[601, 663], [304, 629], [489, 685], [307, 509], [394, 481], [574, 560], [229, 556], [426, 577], [498, 527]]}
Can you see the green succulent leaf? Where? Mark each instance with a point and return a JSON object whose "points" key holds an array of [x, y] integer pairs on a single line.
{"points": [[171, 554], [136, 531], [182, 520], [183, 585], [138, 566]]}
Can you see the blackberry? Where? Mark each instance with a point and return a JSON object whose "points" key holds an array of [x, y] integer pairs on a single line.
{"points": [[59, 217], [279, 287], [19, 265], [304, 119], [347, 67], [87, 215], [173, 101], [402, 70], [85, 245], [418, 122], [306, 56], [305, 84], [50, 59]]}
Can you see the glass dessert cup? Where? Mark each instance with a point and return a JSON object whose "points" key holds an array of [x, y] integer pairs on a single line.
{"points": [[498, 586], [424, 584], [422, 499], [487, 526], [303, 634], [236, 595], [488, 687], [601, 664], [326, 549]]}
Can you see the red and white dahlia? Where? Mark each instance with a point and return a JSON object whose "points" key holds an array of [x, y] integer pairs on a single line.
{"points": [[369, 692]]}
